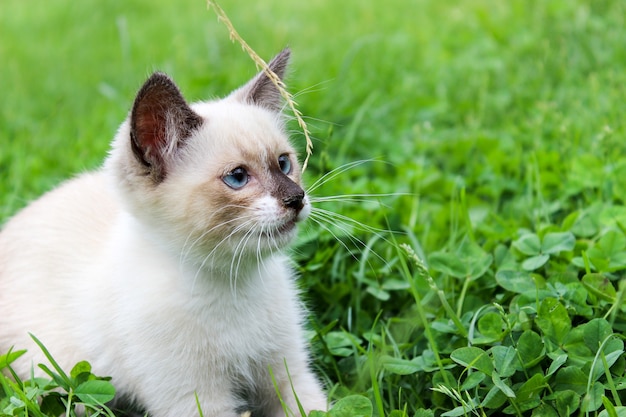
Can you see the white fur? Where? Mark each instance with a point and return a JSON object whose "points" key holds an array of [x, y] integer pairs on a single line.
{"points": [[101, 269]]}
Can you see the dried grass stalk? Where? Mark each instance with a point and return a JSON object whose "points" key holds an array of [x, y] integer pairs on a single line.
{"points": [[234, 36]]}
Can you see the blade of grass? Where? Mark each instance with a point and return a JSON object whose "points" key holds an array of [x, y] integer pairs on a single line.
{"points": [[65, 378], [418, 304]]}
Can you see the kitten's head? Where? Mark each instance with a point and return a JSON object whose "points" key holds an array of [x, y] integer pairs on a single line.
{"points": [[214, 178]]}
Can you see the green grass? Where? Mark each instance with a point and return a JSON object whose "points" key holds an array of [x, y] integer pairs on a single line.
{"points": [[503, 121]]}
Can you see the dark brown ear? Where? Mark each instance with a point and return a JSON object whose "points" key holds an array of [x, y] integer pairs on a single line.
{"points": [[261, 90], [160, 121]]}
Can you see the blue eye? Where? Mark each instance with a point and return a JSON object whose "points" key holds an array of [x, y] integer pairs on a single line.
{"points": [[236, 178], [284, 163]]}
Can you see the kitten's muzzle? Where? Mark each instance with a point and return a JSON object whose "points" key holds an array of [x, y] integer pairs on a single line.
{"points": [[287, 192]]}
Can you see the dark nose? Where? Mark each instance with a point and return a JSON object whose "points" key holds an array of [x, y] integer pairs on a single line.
{"points": [[294, 201]]}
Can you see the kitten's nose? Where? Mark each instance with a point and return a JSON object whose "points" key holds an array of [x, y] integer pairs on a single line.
{"points": [[294, 201]]}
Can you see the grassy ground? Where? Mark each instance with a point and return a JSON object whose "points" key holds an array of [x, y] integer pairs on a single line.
{"points": [[504, 121]]}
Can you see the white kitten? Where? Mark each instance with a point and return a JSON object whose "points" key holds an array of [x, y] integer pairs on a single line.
{"points": [[164, 268]]}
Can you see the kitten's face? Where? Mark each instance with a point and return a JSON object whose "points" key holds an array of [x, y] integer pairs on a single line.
{"points": [[241, 180], [216, 180]]}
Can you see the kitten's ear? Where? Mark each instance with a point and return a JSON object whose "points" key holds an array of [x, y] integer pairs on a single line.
{"points": [[160, 121], [261, 90]]}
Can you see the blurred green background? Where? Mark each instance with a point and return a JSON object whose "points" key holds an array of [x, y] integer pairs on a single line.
{"points": [[376, 79], [70, 70]]}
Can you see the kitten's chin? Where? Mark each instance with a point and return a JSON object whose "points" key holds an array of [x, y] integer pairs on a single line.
{"points": [[286, 232], [282, 234]]}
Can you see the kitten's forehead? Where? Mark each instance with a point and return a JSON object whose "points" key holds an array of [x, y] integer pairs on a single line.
{"points": [[242, 132]]}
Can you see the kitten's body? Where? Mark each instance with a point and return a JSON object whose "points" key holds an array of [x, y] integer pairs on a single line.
{"points": [[159, 273]]}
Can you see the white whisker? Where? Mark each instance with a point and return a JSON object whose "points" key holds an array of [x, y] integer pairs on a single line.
{"points": [[329, 230], [335, 173], [311, 89], [185, 253], [331, 215], [259, 256], [238, 255], [348, 198], [354, 240], [217, 246]]}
